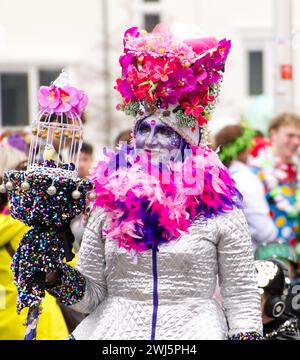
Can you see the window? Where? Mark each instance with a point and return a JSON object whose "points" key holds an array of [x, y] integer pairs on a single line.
{"points": [[255, 72], [14, 99], [47, 76], [151, 20]]}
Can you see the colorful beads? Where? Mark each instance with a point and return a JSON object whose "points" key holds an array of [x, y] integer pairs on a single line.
{"points": [[254, 335]]}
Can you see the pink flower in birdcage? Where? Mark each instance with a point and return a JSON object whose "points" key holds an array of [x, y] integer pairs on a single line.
{"points": [[48, 97], [69, 98], [58, 100], [83, 100]]}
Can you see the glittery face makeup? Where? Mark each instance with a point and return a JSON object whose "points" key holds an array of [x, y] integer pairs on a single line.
{"points": [[151, 134]]}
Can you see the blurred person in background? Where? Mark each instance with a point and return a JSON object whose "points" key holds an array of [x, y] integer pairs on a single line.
{"points": [[17, 139], [84, 166], [273, 282], [52, 324], [234, 143], [279, 172], [124, 136], [85, 160]]}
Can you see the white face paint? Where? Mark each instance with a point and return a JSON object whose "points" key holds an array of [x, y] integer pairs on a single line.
{"points": [[154, 136]]}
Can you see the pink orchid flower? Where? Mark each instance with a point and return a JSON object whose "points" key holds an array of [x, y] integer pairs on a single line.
{"points": [[68, 100], [48, 97], [69, 97]]}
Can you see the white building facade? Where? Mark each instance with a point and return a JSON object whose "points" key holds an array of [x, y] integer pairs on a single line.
{"points": [[38, 39]]}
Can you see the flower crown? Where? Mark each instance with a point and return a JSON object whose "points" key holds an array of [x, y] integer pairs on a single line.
{"points": [[158, 70], [231, 150]]}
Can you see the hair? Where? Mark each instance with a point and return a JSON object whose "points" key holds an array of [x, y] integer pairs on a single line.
{"points": [[125, 135], [10, 159], [284, 119], [226, 136], [87, 148]]}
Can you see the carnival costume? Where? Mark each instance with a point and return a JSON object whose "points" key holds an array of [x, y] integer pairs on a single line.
{"points": [[157, 240], [282, 190], [256, 209]]}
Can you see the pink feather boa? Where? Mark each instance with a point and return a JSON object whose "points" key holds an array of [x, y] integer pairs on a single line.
{"points": [[146, 205]]}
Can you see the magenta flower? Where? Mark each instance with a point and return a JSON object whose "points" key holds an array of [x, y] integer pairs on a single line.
{"points": [[206, 71], [200, 72], [222, 51], [48, 97], [167, 93], [125, 60], [83, 101], [132, 32], [124, 88], [183, 80], [69, 98]]}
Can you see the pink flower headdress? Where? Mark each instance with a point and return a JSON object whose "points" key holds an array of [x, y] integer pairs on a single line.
{"points": [[163, 70]]}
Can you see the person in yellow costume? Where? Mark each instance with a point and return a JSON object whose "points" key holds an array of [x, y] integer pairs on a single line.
{"points": [[52, 325]]}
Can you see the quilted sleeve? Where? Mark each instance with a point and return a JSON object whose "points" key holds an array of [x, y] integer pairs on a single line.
{"points": [[237, 275]]}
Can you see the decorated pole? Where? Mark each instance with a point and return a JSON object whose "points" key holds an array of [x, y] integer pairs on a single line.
{"points": [[48, 195]]}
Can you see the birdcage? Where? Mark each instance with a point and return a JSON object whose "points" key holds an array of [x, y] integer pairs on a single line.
{"points": [[57, 133], [55, 144]]}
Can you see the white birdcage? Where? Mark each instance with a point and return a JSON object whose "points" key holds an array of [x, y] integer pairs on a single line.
{"points": [[56, 141]]}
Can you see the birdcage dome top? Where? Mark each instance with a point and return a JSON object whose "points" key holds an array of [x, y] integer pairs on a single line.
{"points": [[57, 131]]}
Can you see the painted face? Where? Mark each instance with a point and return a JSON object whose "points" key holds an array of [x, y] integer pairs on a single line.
{"points": [[153, 135]]}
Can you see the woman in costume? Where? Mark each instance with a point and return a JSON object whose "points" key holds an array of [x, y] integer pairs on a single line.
{"points": [[167, 223]]}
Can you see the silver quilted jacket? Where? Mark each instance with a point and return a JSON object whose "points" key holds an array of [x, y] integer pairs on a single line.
{"points": [[119, 285]]}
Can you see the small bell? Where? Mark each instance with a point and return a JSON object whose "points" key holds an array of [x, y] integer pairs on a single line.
{"points": [[92, 196], [57, 133], [76, 194], [25, 186], [9, 186], [51, 190], [43, 133]]}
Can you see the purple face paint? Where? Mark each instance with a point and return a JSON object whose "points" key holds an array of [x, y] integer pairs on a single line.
{"points": [[154, 136]]}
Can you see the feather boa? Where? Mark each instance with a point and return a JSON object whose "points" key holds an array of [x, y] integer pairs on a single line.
{"points": [[147, 204]]}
